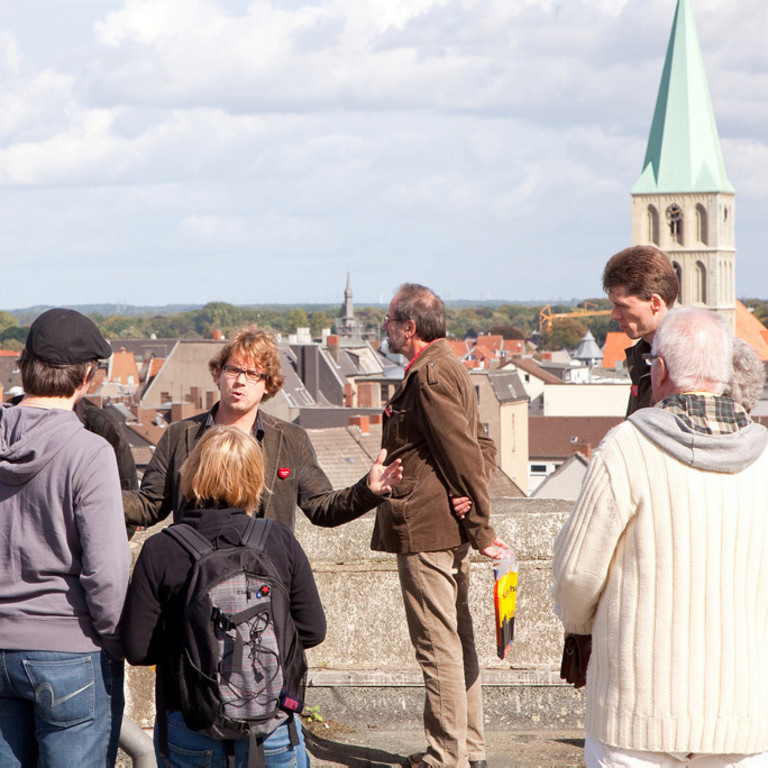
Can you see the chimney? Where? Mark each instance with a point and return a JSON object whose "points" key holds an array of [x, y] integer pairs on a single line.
{"points": [[583, 448], [333, 346], [363, 423]]}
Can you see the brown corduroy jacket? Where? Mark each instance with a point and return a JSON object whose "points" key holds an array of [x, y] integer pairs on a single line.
{"points": [[432, 424]]}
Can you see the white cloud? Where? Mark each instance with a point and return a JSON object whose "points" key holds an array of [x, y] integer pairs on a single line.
{"points": [[306, 138]]}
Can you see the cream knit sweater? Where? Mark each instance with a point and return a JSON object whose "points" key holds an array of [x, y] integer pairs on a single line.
{"points": [[666, 564]]}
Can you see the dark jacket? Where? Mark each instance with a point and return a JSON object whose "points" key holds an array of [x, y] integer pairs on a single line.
{"points": [[98, 421], [291, 476], [432, 424], [641, 394], [154, 609]]}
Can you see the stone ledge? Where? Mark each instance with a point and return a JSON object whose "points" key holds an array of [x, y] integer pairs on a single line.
{"points": [[318, 678]]}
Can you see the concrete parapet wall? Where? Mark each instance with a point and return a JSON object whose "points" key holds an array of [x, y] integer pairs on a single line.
{"points": [[365, 673]]}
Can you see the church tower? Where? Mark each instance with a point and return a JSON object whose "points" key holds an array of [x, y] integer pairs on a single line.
{"points": [[347, 324], [683, 202]]}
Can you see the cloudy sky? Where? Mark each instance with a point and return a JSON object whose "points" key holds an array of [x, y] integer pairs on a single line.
{"points": [[174, 151]]}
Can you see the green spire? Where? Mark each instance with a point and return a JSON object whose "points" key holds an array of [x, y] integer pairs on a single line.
{"points": [[683, 153]]}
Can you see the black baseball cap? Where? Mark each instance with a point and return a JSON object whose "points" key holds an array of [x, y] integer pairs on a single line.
{"points": [[65, 337]]}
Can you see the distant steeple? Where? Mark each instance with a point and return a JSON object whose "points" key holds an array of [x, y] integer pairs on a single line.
{"points": [[683, 153], [683, 202], [346, 324]]}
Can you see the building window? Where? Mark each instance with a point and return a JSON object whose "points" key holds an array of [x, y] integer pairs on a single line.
{"points": [[538, 469], [653, 224], [675, 221], [700, 288], [679, 272], [701, 224]]}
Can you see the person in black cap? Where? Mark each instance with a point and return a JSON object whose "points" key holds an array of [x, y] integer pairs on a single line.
{"points": [[58, 336], [65, 558]]}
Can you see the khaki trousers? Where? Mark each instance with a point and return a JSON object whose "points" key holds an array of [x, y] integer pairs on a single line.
{"points": [[435, 588]]}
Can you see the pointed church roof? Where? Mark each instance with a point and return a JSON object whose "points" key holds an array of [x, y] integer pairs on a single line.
{"points": [[588, 350], [683, 153]]}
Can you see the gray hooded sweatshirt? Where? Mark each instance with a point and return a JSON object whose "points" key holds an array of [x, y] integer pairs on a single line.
{"points": [[64, 555], [729, 453]]}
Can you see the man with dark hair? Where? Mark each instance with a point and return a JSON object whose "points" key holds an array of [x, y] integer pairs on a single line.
{"points": [[247, 371], [642, 285], [64, 569], [431, 424]]}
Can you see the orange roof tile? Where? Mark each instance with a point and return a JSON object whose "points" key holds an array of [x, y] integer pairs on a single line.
{"points": [[751, 330], [613, 351], [98, 380], [458, 347], [154, 366], [124, 368]]}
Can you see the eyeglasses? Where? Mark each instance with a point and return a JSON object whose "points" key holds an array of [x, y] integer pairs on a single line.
{"points": [[251, 376], [649, 357], [388, 319]]}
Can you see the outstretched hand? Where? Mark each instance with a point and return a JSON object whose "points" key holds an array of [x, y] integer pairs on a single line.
{"points": [[497, 550], [381, 478]]}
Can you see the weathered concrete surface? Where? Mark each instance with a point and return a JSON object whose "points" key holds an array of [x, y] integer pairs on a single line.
{"points": [[384, 748], [364, 674]]}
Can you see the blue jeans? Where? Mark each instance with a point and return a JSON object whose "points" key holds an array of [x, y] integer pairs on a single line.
{"points": [[190, 749], [59, 708]]}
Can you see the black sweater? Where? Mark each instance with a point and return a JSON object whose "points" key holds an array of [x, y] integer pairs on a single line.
{"points": [[152, 622]]}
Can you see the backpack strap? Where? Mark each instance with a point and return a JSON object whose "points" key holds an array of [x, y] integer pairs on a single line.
{"points": [[255, 533], [256, 757], [161, 714], [189, 538], [293, 730]]}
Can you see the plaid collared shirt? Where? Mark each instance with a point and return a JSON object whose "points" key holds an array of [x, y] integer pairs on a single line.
{"points": [[709, 414]]}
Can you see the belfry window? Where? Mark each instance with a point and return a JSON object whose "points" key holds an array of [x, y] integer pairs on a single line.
{"points": [[653, 225], [701, 224], [675, 222]]}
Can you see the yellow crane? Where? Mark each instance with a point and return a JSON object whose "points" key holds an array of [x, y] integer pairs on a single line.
{"points": [[547, 316]]}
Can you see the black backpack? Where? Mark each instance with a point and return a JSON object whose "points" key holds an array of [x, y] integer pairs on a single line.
{"points": [[242, 672]]}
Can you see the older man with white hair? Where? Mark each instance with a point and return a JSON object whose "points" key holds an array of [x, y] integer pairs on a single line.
{"points": [[664, 560]]}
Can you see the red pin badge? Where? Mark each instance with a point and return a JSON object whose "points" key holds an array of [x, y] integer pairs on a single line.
{"points": [[284, 472]]}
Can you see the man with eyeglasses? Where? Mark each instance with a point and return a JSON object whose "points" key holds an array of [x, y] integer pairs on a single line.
{"points": [[431, 422], [664, 560], [641, 283], [247, 372]]}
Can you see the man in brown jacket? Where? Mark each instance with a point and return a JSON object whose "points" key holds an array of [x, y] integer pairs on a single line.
{"points": [[247, 372], [431, 424]]}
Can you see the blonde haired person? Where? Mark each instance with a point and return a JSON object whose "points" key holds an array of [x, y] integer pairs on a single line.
{"points": [[226, 465], [222, 481]]}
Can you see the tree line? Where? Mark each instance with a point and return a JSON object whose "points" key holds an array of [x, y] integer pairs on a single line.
{"points": [[512, 321]]}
